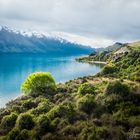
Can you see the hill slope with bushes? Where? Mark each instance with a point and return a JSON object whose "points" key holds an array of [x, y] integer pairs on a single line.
{"points": [[85, 109], [121, 63], [101, 107]]}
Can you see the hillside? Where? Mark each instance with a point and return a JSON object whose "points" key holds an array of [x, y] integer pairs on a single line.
{"points": [[102, 113], [114, 47], [123, 62], [101, 107], [102, 55], [12, 41]]}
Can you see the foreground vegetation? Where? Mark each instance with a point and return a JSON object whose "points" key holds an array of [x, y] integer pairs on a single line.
{"points": [[101, 107]]}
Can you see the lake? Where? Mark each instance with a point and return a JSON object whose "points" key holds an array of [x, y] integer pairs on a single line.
{"points": [[14, 68]]}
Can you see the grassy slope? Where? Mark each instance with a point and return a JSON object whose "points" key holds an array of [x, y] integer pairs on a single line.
{"points": [[69, 115]]}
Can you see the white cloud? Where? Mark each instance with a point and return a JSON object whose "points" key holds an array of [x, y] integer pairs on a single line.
{"points": [[93, 42], [100, 20]]}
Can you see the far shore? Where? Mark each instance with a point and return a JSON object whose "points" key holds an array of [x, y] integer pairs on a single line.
{"points": [[92, 62], [98, 62]]}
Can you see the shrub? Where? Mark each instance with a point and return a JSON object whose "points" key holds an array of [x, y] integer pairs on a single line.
{"points": [[86, 131], [98, 133], [86, 88], [126, 109], [116, 133], [17, 108], [25, 121], [69, 130], [86, 103], [108, 69], [28, 104], [116, 87], [65, 111], [13, 134], [3, 112], [111, 100], [23, 135], [43, 125], [40, 99], [134, 121], [50, 136], [8, 122], [40, 83], [42, 107], [135, 76]]}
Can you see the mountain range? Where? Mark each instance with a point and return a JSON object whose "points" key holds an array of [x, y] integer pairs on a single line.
{"points": [[12, 41]]}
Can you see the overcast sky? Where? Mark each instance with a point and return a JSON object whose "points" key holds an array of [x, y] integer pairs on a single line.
{"points": [[95, 22]]}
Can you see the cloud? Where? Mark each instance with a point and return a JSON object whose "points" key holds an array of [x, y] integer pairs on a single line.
{"points": [[93, 42], [94, 19]]}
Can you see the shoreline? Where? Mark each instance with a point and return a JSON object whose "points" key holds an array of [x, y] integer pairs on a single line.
{"points": [[91, 62], [97, 62]]}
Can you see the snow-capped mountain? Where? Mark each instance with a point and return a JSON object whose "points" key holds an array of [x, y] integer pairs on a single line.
{"points": [[13, 41]]}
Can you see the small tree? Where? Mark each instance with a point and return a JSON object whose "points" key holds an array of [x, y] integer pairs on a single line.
{"points": [[43, 125], [86, 103], [8, 122], [108, 69], [12, 135], [116, 87], [86, 88], [25, 121], [40, 83]]}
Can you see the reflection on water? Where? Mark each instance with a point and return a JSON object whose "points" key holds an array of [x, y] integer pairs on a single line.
{"points": [[14, 68]]}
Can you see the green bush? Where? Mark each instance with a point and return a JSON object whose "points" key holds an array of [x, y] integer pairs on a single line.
{"points": [[29, 104], [108, 69], [98, 133], [40, 99], [25, 121], [43, 107], [86, 88], [111, 100], [17, 108], [65, 111], [126, 109], [135, 76], [43, 125], [116, 87], [40, 83], [86, 103], [4, 112], [69, 130], [23, 135], [12, 135], [134, 121], [8, 122], [86, 131]]}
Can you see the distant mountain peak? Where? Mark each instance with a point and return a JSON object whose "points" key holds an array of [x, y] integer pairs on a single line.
{"points": [[114, 47], [12, 40], [118, 43], [22, 32], [31, 33]]}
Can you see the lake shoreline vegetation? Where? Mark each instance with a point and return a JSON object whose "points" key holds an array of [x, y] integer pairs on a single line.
{"points": [[105, 106]]}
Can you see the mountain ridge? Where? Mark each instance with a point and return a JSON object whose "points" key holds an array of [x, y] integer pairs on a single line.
{"points": [[12, 41]]}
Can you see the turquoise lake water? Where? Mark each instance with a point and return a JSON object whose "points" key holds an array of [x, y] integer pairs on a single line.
{"points": [[14, 68]]}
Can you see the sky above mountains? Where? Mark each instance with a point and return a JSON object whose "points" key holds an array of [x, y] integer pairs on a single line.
{"points": [[92, 22]]}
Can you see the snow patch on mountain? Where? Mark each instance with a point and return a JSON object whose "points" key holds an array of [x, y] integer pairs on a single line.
{"points": [[29, 33], [50, 35]]}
